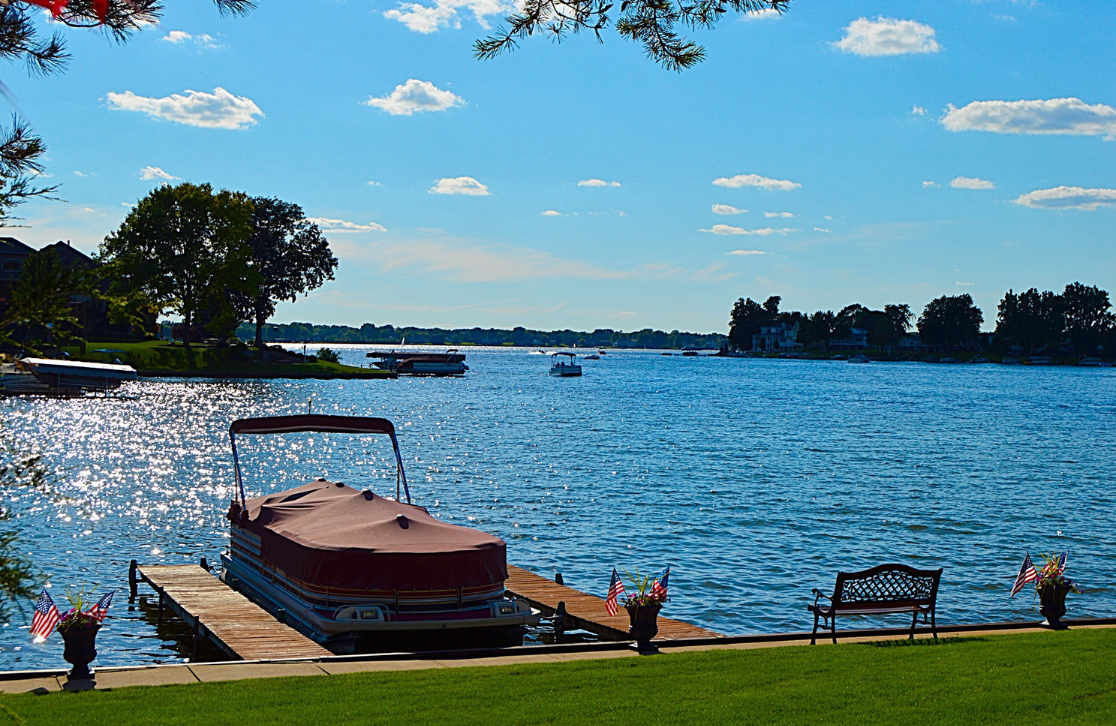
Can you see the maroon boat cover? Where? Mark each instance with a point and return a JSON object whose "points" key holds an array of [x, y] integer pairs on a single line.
{"points": [[329, 534]]}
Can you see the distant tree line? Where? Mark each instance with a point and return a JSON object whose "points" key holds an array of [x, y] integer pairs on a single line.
{"points": [[389, 334], [1079, 321]]}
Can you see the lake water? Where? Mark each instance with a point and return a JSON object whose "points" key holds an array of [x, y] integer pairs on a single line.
{"points": [[755, 480]]}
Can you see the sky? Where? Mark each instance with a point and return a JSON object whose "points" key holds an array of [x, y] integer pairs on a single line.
{"points": [[867, 152]]}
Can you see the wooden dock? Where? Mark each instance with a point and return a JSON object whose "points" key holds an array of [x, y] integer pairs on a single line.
{"points": [[588, 612], [215, 611]]}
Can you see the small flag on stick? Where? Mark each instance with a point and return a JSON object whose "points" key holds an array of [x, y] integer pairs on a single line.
{"points": [[615, 590], [100, 610], [1026, 574], [46, 617], [1062, 562], [659, 586]]}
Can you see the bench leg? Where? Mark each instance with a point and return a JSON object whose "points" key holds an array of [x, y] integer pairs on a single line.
{"points": [[814, 635], [833, 626], [914, 621], [933, 623]]}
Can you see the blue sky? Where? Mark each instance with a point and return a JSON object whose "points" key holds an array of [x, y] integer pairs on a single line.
{"points": [[894, 133]]}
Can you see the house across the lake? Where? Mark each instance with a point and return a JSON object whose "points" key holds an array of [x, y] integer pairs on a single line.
{"points": [[776, 338]]}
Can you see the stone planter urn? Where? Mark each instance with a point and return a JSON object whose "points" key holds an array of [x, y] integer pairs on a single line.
{"points": [[644, 626], [80, 650], [1052, 603]]}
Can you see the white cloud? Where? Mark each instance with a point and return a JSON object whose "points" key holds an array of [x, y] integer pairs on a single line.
{"points": [[767, 14], [887, 36], [778, 214], [963, 284], [823, 229], [179, 37], [374, 184], [460, 185], [415, 96], [746, 252], [80, 173], [217, 110], [597, 183], [727, 229], [727, 209], [755, 180], [1069, 116], [148, 173], [551, 213], [971, 182], [918, 111], [931, 184], [340, 225], [444, 13], [1069, 198]]}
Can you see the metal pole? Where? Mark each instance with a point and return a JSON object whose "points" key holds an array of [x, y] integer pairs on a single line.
{"points": [[236, 467]]}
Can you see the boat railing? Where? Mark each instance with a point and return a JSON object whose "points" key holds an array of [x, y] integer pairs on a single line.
{"points": [[318, 423]]}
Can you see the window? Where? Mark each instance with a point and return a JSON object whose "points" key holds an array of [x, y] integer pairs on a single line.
{"points": [[11, 265]]}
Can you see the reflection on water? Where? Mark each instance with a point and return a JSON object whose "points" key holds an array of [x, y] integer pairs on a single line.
{"points": [[756, 480]]}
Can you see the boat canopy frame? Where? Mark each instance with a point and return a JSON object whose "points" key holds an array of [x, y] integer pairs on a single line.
{"points": [[319, 423]]}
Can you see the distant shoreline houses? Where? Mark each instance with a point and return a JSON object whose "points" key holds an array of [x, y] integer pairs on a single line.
{"points": [[783, 338]]}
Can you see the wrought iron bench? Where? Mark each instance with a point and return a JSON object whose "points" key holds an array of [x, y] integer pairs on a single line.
{"points": [[881, 590]]}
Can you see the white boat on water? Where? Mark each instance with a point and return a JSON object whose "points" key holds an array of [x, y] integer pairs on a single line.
{"points": [[562, 368], [46, 376], [450, 363], [859, 359]]}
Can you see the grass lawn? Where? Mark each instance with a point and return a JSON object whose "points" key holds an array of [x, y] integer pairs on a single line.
{"points": [[155, 356], [1041, 678]]}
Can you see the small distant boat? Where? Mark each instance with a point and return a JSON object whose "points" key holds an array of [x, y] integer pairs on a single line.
{"points": [[859, 358], [981, 359], [592, 356], [1094, 362], [837, 357], [602, 351], [1011, 361], [538, 352], [564, 369], [689, 353], [450, 363], [1041, 360]]}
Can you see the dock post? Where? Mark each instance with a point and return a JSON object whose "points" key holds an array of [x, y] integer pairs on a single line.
{"points": [[132, 582], [195, 639], [160, 621], [204, 563], [559, 618], [558, 578]]}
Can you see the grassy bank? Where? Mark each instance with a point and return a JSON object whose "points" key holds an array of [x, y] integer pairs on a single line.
{"points": [[1041, 678], [158, 358]]}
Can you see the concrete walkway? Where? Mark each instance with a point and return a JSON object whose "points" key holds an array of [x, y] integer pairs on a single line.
{"points": [[106, 678]]}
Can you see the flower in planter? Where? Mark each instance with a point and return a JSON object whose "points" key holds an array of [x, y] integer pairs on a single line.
{"points": [[1053, 575], [47, 618], [648, 590]]}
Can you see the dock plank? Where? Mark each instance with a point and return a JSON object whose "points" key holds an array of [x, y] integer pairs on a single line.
{"points": [[588, 611], [236, 625]]}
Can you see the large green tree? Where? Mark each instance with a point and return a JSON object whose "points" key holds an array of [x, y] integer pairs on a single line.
{"points": [[748, 316], [1031, 320], [950, 321], [652, 23], [1088, 316], [181, 247], [290, 255]]}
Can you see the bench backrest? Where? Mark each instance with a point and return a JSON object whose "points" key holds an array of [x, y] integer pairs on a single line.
{"points": [[887, 584]]}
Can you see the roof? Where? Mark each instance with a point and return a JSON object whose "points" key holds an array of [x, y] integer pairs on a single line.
{"points": [[12, 246], [70, 256]]}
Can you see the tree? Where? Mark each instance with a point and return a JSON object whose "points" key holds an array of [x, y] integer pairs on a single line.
{"points": [[950, 321], [40, 303], [1087, 316], [1031, 320], [748, 316], [653, 23], [179, 246], [21, 151], [289, 254]]}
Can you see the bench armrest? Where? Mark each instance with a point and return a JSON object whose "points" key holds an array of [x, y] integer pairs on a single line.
{"points": [[818, 595]]}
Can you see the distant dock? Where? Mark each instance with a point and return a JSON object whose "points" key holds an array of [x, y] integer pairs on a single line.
{"points": [[588, 612]]}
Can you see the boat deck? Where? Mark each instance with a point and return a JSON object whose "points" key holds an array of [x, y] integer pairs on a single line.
{"points": [[215, 611], [587, 611]]}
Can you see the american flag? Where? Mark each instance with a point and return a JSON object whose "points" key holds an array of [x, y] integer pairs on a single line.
{"points": [[100, 610], [1026, 574], [615, 590], [659, 587], [1062, 562], [46, 617]]}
